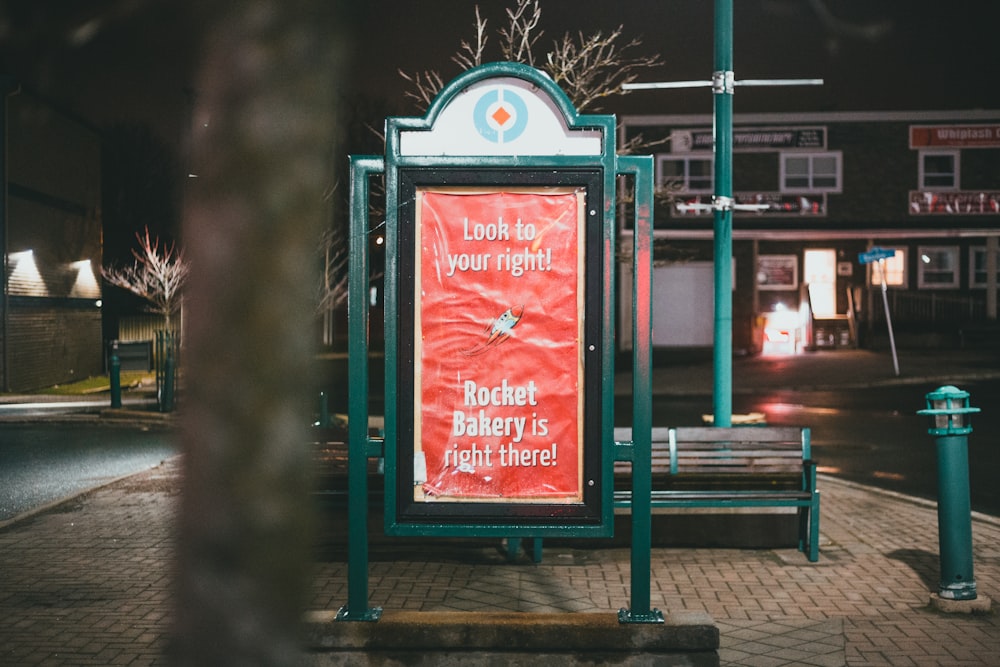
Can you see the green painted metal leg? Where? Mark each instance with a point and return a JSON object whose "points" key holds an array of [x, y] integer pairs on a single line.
{"points": [[642, 391], [357, 608], [814, 531], [513, 549], [536, 550]]}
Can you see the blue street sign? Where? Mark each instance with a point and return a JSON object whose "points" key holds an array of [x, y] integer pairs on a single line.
{"points": [[876, 254]]}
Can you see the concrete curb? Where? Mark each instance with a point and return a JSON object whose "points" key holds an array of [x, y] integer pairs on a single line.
{"points": [[52, 504], [460, 638]]}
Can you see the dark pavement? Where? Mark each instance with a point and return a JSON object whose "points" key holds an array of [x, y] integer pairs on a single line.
{"points": [[87, 582]]}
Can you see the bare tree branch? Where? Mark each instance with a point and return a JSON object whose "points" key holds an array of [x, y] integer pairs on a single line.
{"points": [[593, 67], [519, 38], [470, 56], [157, 275], [424, 86]]}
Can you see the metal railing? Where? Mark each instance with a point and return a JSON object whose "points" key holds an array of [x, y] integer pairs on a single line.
{"points": [[929, 307]]}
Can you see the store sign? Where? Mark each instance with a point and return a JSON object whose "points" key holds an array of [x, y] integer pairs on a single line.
{"points": [[502, 116], [770, 204], [985, 202], [751, 139], [954, 136]]}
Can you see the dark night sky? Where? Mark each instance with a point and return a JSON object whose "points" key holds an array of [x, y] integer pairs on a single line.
{"points": [[134, 60]]}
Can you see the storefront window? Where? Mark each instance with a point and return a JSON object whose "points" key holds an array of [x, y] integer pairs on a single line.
{"points": [[939, 170], [894, 267], [937, 267], [811, 172], [692, 174], [977, 266]]}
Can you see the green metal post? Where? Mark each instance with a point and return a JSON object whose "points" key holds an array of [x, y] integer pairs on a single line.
{"points": [[169, 372], [324, 411], [362, 167], [955, 518], [642, 393], [949, 408], [115, 375], [722, 87]]}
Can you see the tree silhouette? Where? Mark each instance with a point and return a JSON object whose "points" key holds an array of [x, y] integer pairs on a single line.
{"points": [[157, 275]]}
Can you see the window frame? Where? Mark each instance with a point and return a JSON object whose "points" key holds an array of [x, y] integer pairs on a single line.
{"points": [[904, 274], [686, 160], [973, 252], [922, 172], [783, 176], [951, 251]]}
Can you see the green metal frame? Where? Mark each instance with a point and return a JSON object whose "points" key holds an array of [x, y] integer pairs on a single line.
{"points": [[359, 446], [807, 502], [640, 449], [396, 162], [362, 446]]}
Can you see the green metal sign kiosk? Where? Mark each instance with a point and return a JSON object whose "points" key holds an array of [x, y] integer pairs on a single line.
{"points": [[499, 343]]}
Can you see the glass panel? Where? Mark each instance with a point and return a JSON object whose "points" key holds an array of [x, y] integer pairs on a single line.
{"points": [[701, 176], [672, 169], [825, 166], [938, 267], [939, 164], [939, 170], [797, 166], [895, 270], [938, 181]]}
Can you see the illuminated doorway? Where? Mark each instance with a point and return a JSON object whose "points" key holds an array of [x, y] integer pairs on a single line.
{"points": [[820, 274]]}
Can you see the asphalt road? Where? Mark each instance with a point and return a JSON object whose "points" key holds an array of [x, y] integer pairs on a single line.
{"points": [[44, 462], [871, 436]]}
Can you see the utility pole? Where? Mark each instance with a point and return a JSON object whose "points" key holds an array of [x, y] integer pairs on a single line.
{"points": [[723, 84], [723, 80]]}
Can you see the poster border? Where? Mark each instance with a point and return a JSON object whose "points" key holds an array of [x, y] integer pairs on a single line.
{"points": [[399, 477], [579, 269]]}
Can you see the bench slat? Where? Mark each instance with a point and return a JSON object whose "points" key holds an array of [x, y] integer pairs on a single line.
{"points": [[742, 466], [692, 434], [716, 496], [713, 467]]}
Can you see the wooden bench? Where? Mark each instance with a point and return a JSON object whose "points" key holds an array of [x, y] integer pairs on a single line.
{"points": [[741, 466], [700, 467], [328, 447]]}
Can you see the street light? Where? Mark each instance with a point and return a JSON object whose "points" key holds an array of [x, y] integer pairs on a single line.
{"points": [[950, 410]]}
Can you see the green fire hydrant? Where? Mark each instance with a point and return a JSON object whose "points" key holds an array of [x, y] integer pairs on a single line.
{"points": [[949, 409]]}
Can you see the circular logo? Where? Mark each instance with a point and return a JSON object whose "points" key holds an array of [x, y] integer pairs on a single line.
{"points": [[500, 116]]}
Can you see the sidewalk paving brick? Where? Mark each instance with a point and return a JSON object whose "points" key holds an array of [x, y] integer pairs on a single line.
{"points": [[88, 583]]}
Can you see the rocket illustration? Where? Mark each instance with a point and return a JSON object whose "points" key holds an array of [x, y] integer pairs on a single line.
{"points": [[498, 331]]}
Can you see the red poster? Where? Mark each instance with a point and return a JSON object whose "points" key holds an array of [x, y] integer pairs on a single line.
{"points": [[497, 342]]}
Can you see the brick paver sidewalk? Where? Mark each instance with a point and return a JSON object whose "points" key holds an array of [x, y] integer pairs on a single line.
{"points": [[88, 583]]}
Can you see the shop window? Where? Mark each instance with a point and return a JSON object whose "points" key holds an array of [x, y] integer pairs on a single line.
{"points": [[937, 267], [811, 172], [692, 174], [895, 270], [939, 170], [977, 266]]}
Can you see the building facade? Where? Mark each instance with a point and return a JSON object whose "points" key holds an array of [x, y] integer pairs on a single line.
{"points": [[50, 317], [816, 191]]}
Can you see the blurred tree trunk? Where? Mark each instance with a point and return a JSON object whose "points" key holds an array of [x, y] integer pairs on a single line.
{"points": [[263, 134]]}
